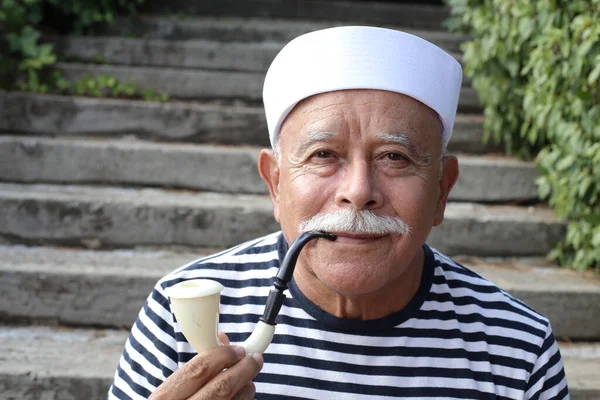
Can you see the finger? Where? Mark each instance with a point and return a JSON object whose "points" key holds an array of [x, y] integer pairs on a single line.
{"points": [[247, 392], [198, 371], [223, 338], [228, 383]]}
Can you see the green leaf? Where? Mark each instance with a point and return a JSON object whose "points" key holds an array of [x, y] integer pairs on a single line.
{"points": [[565, 163], [33, 80], [595, 74], [596, 239], [14, 42], [585, 185]]}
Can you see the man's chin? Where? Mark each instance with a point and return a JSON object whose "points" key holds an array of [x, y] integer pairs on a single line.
{"points": [[346, 275], [351, 286]]}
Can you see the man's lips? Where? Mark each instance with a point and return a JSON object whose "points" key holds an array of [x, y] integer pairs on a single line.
{"points": [[355, 237]]}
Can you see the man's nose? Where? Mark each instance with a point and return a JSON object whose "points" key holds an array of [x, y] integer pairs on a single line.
{"points": [[358, 187]]}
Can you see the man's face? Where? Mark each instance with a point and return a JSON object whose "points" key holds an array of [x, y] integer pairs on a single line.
{"points": [[363, 150]]}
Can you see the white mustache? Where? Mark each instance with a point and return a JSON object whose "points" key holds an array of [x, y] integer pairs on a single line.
{"points": [[355, 221]]}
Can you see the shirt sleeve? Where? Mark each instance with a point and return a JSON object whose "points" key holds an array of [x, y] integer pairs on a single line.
{"points": [[547, 379], [150, 354]]}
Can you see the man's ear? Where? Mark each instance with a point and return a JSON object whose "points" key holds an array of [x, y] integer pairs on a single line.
{"points": [[447, 181], [269, 172]]}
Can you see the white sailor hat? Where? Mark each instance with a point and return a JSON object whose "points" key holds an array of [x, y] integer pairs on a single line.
{"points": [[361, 57]]}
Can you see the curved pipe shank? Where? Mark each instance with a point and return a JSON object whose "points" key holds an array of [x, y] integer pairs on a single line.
{"points": [[195, 304]]}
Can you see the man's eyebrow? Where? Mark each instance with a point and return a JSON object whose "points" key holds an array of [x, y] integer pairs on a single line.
{"points": [[403, 140], [313, 137]]}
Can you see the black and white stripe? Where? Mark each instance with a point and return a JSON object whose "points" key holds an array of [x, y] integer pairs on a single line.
{"points": [[461, 337]]}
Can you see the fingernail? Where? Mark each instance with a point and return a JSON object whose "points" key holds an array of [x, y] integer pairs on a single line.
{"points": [[259, 359], [239, 351]]}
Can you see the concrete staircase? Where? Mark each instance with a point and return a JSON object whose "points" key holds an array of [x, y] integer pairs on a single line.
{"points": [[101, 197]]}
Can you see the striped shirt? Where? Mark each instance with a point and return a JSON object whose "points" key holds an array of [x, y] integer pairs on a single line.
{"points": [[460, 337]]}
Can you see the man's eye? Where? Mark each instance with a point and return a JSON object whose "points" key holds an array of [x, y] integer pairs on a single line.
{"points": [[396, 157], [322, 154]]}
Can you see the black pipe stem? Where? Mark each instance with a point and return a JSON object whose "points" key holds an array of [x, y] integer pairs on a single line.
{"points": [[285, 273]]}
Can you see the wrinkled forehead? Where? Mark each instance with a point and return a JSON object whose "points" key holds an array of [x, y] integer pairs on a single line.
{"points": [[377, 112], [393, 105]]}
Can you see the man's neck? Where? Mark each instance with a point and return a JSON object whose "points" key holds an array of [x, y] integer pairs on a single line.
{"points": [[389, 299]]}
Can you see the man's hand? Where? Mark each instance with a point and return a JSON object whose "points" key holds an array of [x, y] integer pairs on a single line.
{"points": [[224, 372]]}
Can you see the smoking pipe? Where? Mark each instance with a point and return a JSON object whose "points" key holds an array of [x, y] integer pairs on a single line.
{"points": [[195, 303]]}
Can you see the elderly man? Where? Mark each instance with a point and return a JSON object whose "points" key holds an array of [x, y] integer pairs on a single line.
{"points": [[359, 119]]}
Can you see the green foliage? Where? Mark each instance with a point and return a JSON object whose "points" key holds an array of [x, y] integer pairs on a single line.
{"points": [[87, 13], [108, 86], [26, 63], [18, 20], [536, 68]]}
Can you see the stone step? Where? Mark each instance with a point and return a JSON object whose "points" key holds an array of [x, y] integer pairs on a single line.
{"points": [[58, 363], [571, 300], [248, 30], [171, 121], [78, 364], [420, 16], [213, 168], [200, 54], [108, 288], [82, 287], [126, 162], [117, 217], [190, 84], [191, 54]]}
